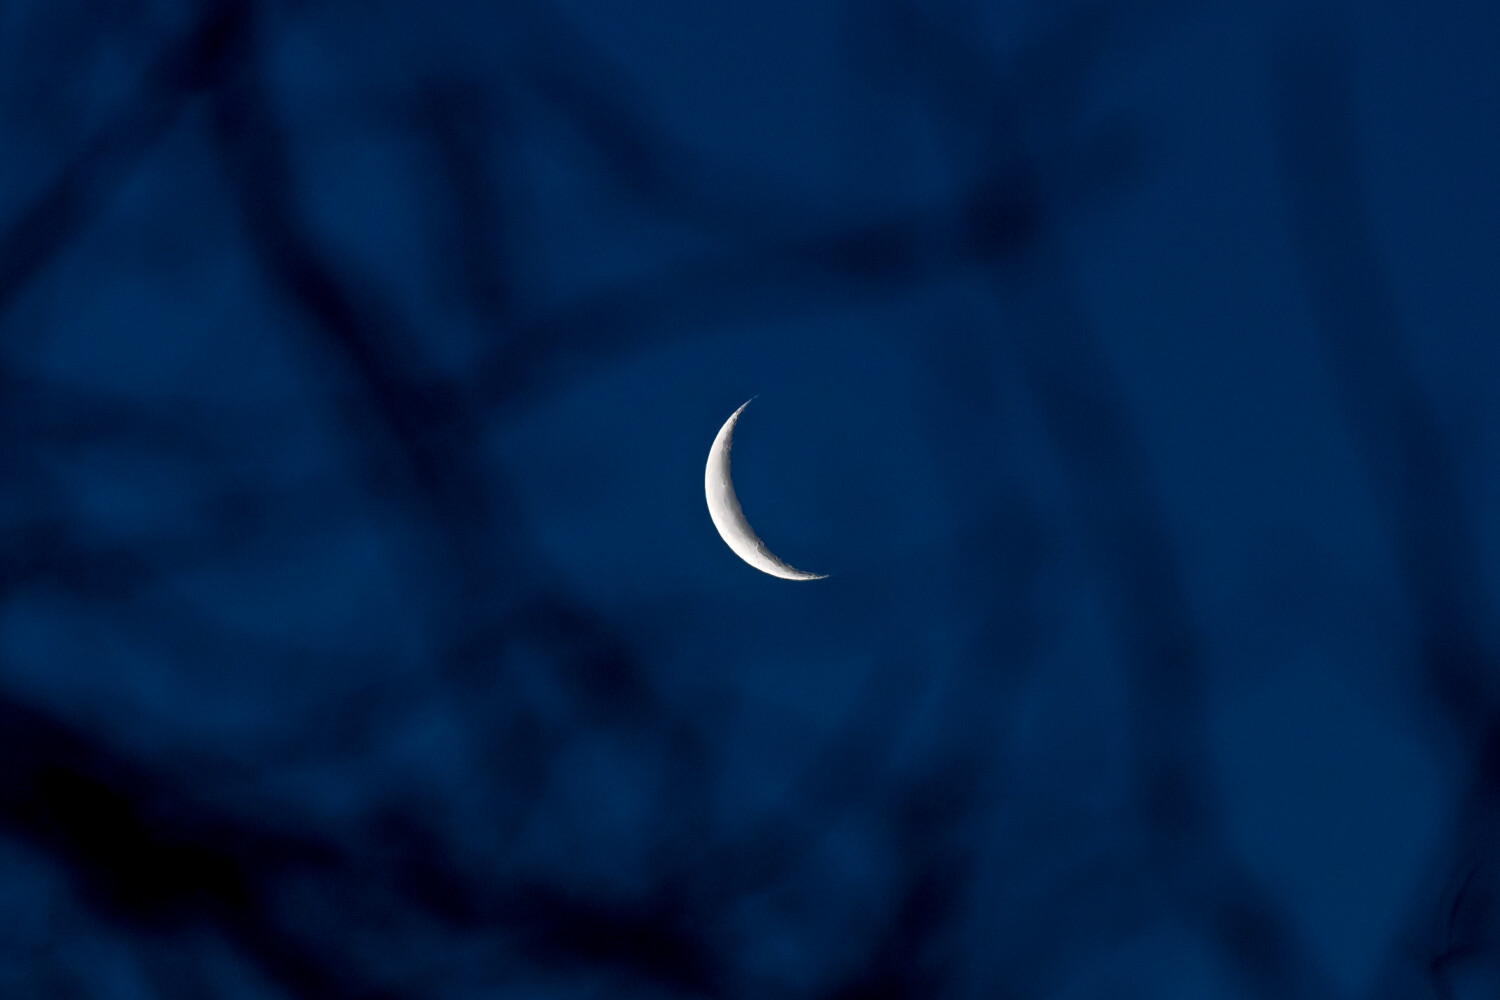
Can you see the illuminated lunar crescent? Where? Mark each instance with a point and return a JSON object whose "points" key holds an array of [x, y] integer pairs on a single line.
{"points": [[724, 508]]}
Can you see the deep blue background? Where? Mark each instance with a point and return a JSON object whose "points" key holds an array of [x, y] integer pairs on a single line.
{"points": [[1130, 367]]}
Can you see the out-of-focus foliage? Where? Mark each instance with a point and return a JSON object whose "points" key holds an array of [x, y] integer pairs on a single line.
{"points": [[362, 632]]}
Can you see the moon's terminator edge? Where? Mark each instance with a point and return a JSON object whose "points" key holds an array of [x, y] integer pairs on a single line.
{"points": [[729, 518]]}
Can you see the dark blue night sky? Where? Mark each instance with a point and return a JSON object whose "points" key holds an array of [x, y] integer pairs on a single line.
{"points": [[1130, 367]]}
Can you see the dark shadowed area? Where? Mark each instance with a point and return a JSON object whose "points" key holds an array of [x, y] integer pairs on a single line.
{"points": [[1130, 367]]}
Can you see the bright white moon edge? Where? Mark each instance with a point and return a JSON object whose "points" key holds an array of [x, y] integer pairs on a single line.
{"points": [[724, 508]]}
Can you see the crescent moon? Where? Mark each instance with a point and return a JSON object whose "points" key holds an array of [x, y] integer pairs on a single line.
{"points": [[724, 508]]}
